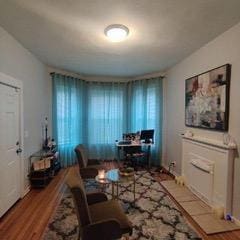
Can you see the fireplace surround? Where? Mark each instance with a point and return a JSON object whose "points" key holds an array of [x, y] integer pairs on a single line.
{"points": [[207, 166]]}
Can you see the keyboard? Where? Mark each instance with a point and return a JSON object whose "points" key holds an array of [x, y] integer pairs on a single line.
{"points": [[125, 142]]}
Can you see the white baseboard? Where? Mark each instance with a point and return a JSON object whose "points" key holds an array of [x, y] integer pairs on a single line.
{"points": [[172, 172], [26, 191], [175, 174]]}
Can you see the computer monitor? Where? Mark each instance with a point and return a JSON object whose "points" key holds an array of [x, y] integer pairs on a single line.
{"points": [[147, 135]]}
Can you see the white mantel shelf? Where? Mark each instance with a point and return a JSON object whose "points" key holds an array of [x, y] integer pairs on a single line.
{"points": [[210, 142]]}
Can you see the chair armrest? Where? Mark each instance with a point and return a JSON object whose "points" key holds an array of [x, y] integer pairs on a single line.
{"points": [[88, 172], [96, 197], [104, 230]]}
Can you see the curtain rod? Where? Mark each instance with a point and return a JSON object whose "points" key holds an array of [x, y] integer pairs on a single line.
{"points": [[128, 81]]}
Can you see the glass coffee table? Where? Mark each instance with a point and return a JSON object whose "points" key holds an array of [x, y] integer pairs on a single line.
{"points": [[115, 179]]}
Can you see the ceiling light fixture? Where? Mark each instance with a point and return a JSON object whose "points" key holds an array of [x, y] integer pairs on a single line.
{"points": [[116, 32]]}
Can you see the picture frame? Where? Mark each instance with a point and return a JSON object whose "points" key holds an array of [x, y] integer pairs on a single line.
{"points": [[207, 99]]}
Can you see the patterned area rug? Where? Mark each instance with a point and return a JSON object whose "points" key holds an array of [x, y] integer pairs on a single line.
{"points": [[154, 215]]}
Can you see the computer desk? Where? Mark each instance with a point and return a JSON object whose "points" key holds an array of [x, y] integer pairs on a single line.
{"points": [[135, 144]]}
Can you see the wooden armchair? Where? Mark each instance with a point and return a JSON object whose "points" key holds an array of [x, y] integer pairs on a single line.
{"points": [[88, 168], [98, 218]]}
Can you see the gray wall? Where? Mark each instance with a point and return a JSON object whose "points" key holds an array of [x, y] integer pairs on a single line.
{"points": [[224, 49], [19, 63]]}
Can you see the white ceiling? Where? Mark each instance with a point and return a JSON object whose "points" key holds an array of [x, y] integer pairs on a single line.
{"points": [[68, 34]]}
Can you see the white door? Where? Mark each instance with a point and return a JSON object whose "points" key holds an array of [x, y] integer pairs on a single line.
{"points": [[9, 147]]}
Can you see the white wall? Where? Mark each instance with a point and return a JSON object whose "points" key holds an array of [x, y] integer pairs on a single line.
{"points": [[19, 63], [224, 49]]}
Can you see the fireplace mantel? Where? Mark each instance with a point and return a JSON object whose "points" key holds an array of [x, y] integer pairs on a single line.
{"points": [[215, 187], [210, 142]]}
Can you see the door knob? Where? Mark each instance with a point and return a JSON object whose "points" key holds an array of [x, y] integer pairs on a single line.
{"points": [[19, 150]]}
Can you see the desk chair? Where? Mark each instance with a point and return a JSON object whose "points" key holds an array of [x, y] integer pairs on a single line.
{"points": [[98, 217], [88, 168]]}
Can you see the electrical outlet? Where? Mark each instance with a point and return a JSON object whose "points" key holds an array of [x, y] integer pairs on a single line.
{"points": [[171, 166], [173, 163]]}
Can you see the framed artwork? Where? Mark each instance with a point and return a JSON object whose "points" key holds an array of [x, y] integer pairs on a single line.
{"points": [[207, 99]]}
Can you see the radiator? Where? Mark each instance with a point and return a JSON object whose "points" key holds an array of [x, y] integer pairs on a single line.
{"points": [[201, 175], [207, 166]]}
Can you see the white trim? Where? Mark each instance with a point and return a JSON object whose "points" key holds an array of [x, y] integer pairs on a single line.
{"points": [[210, 142], [221, 182], [8, 80], [26, 191], [13, 82], [174, 173], [164, 123]]}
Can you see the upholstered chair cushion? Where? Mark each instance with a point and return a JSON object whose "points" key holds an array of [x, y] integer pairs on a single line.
{"points": [[110, 210], [81, 155], [98, 218], [75, 184], [88, 168]]}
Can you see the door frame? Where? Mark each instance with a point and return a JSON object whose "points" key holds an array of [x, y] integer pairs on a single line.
{"points": [[16, 83]]}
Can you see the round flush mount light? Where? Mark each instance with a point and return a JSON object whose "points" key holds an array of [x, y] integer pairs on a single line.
{"points": [[116, 32]]}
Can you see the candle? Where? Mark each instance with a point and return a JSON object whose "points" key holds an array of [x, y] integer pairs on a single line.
{"points": [[219, 211], [101, 174]]}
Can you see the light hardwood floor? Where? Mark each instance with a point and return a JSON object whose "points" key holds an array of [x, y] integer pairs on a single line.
{"points": [[29, 217]]}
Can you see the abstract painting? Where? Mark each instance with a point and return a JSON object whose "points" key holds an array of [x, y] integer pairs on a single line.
{"points": [[207, 99]]}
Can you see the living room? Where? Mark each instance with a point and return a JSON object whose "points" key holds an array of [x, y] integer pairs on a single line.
{"points": [[72, 85]]}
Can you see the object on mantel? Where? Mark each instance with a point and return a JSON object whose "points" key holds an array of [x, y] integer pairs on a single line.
{"points": [[188, 133], [228, 140], [216, 143]]}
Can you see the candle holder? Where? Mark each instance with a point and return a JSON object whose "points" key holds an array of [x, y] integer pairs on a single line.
{"points": [[101, 174]]}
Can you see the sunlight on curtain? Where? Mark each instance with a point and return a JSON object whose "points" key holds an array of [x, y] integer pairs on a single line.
{"points": [[106, 118], [145, 99], [98, 113], [68, 104]]}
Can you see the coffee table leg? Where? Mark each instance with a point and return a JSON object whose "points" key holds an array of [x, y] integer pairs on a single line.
{"points": [[112, 190], [118, 150], [117, 189], [134, 191]]}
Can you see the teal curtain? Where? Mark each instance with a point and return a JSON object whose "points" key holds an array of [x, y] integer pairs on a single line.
{"points": [[98, 113], [106, 119], [145, 111], [69, 95]]}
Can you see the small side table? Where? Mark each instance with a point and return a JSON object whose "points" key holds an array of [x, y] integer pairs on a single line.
{"points": [[41, 178]]}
